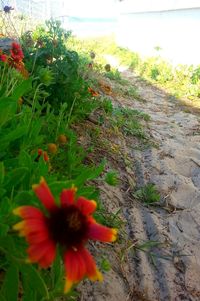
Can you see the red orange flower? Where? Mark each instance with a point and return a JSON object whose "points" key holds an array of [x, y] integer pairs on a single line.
{"points": [[92, 92], [21, 68], [69, 225], [3, 57], [15, 60], [16, 52]]}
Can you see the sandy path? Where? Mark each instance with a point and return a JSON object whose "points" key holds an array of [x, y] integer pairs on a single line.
{"points": [[174, 167]]}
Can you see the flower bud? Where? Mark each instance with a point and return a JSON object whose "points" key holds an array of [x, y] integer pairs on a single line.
{"points": [[62, 139], [107, 67], [52, 148]]}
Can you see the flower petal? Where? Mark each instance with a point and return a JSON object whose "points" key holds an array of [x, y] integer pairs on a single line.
{"points": [[67, 196], [37, 237], [79, 263], [20, 227], [91, 269], [32, 229], [75, 267], [87, 207], [35, 225], [48, 258], [43, 253], [28, 212], [101, 233], [44, 194]]}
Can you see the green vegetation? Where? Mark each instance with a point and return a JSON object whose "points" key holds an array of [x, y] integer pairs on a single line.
{"points": [[147, 194], [47, 95], [181, 81], [129, 121], [153, 249], [43, 97], [55, 68], [112, 178], [48, 90]]}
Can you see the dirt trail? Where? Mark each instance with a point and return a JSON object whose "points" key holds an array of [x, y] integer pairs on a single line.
{"points": [[174, 167]]}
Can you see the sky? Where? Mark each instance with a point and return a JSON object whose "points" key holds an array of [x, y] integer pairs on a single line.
{"points": [[156, 5], [111, 8], [91, 8]]}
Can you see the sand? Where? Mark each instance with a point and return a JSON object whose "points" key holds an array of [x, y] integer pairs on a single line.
{"points": [[174, 167]]}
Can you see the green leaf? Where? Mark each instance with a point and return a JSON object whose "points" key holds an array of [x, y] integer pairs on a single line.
{"points": [[29, 296], [25, 159], [8, 107], [2, 173], [34, 137], [21, 89], [3, 229], [89, 174], [22, 197], [57, 272], [57, 186], [2, 298], [10, 284], [7, 243], [34, 280], [2, 192], [12, 135], [5, 208], [15, 177]]}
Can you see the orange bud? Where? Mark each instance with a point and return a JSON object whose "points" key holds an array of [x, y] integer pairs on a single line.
{"points": [[40, 151], [44, 153], [52, 148], [62, 139], [45, 156]]}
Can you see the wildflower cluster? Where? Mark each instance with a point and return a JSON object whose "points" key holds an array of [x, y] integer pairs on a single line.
{"points": [[37, 140], [15, 59], [52, 148]]}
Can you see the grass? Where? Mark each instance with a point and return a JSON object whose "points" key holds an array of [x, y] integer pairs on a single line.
{"points": [[182, 81], [112, 178], [129, 121], [147, 194], [109, 219], [150, 247], [132, 92]]}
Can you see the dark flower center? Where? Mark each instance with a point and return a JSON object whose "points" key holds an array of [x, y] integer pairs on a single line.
{"points": [[68, 226]]}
